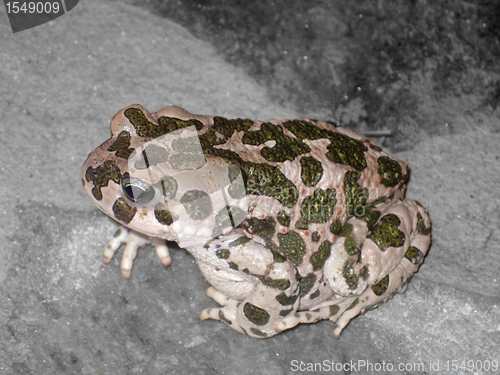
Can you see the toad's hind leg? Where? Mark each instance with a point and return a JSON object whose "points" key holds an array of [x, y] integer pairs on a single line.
{"points": [[347, 305], [397, 280]]}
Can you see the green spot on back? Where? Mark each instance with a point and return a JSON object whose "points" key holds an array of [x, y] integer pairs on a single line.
{"points": [[188, 144], [355, 194], [197, 204], [292, 246], [151, 156], [227, 126], [319, 258], [342, 149], [258, 178], [317, 208], [306, 130], [283, 218], [121, 146], [371, 217], [386, 233], [170, 124], [286, 148], [219, 133], [229, 216], [390, 171], [187, 162], [311, 171], [265, 179], [144, 128], [169, 187], [336, 227], [237, 186], [346, 230], [264, 228], [348, 151]]}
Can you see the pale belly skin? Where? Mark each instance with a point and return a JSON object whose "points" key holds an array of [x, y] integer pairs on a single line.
{"points": [[290, 221]]}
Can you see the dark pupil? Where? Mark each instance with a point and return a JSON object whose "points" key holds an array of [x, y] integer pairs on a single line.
{"points": [[137, 190], [135, 193]]}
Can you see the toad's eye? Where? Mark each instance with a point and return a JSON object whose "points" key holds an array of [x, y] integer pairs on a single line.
{"points": [[137, 190]]}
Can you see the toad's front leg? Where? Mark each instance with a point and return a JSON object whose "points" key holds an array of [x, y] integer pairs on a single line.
{"points": [[133, 241], [258, 315], [255, 288]]}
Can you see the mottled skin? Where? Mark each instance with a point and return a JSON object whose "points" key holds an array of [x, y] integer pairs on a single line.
{"points": [[290, 221]]}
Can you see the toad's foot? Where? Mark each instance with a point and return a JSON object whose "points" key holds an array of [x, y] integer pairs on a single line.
{"points": [[133, 241], [307, 316], [335, 310], [227, 313]]}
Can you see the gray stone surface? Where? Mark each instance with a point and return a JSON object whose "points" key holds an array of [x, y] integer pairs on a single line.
{"points": [[64, 312]]}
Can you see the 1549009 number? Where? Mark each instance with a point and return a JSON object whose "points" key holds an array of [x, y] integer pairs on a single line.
{"points": [[472, 365], [32, 7]]}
